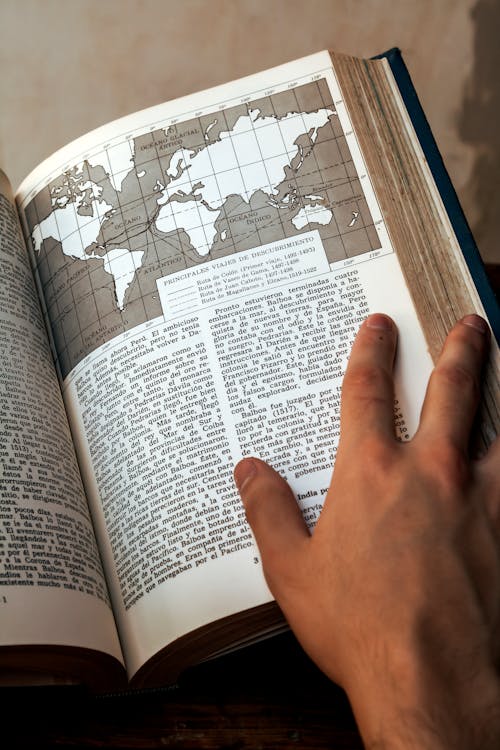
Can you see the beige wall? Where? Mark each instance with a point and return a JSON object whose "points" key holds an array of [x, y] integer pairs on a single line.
{"points": [[68, 66]]}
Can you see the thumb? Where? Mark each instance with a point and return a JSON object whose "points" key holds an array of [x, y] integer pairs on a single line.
{"points": [[274, 517]]}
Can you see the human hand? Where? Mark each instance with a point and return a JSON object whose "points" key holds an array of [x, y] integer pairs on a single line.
{"points": [[396, 594]]}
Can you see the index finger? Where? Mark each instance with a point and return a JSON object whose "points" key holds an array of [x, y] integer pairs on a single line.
{"points": [[368, 387]]}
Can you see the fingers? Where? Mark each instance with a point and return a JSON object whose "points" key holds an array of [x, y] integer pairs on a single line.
{"points": [[489, 475], [490, 463], [453, 392], [368, 389], [273, 514]]}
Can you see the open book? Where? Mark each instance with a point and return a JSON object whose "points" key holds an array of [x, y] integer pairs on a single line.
{"points": [[197, 273]]}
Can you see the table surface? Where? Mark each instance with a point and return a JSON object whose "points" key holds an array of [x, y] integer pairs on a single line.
{"points": [[269, 695]]}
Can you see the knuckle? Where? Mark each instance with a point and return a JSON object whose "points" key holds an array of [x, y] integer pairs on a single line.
{"points": [[377, 456], [457, 377], [282, 578], [449, 467], [366, 379], [276, 566]]}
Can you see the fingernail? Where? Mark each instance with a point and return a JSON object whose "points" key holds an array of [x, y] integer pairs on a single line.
{"points": [[243, 472], [380, 322], [475, 321]]}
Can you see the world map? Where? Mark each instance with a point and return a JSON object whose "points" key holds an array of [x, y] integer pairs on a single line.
{"points": [[154, 203]]}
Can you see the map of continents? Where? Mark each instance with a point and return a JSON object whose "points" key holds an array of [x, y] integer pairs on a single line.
{"points": [[152, 204]]}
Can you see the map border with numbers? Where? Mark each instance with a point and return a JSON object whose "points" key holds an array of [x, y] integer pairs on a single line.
{"points": [[85, 303]]}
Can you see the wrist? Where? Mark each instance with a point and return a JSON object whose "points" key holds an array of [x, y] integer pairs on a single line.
{"points": [[422, 712]]}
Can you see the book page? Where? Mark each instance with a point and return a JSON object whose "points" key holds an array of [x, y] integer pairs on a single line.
{"points": [[252, 374], [205, 266], [52, 588]]}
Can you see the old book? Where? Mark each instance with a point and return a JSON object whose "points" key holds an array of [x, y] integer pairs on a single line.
{"points": [[184, 291]]}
